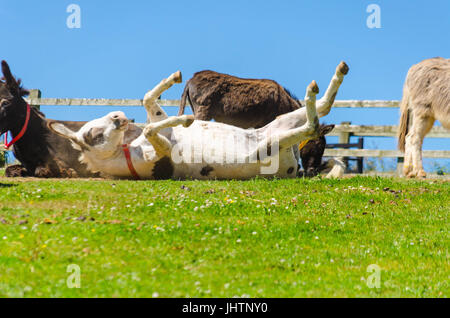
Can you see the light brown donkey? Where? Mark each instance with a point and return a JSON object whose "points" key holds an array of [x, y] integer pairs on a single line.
{"points": [[426, 97]]}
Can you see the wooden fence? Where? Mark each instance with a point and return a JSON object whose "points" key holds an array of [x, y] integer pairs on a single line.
{"points": [[343, 131]]}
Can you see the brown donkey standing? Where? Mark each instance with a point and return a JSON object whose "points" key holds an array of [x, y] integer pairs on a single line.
{"points": [[426, 96], [247, 103]]}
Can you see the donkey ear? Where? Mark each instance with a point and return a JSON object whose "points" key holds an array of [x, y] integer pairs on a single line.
{"points": [[9, 78], [326, 129], [22, 91], [63, 131]]}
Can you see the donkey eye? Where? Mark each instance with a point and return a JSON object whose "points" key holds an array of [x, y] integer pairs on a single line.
{"points": [[4, 102], [94, 137]]}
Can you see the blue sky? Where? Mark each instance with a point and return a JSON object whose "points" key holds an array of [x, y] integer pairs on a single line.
{"points": [[125, 47]]}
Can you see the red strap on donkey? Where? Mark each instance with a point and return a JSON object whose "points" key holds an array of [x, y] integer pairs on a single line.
{"points": [[126, 152], [22, 131]]}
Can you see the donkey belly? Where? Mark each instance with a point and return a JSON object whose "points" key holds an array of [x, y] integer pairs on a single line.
{"points": [[282, 167], [444, 119], [215, 158], [209, 150]]}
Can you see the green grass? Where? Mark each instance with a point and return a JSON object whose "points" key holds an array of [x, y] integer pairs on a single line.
{"points": [[259, 238]]}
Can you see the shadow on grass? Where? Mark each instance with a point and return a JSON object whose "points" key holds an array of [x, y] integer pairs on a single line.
{"points": [[7, 185]]}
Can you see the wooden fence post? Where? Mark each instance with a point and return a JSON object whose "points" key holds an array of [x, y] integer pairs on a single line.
{"points": [[360, 160], [344, 138], [400, 163], [35, 93]]}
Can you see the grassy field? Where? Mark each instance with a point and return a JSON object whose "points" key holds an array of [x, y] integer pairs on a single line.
{"points": [[259, 238]]}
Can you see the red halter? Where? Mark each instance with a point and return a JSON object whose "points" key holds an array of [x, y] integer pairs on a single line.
{"points": [[22, 131], [126, 152]]}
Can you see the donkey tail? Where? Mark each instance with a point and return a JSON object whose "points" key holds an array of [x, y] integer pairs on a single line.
{"points": [[404, 120], [183, 99]]}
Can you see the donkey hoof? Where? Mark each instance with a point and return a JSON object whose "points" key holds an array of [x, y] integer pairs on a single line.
{"points": [[15, 171], [343, 68], [177, 77], [189, 120], [411, 174], [314, 87], [148, 131], [421, 174]]}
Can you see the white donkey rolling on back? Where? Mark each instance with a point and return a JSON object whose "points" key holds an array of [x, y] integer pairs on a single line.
{"points": [[179, 147]]}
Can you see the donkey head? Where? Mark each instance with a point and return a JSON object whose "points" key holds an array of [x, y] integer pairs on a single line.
{"points": [[99, 138], [12, 105], [312, 153]]}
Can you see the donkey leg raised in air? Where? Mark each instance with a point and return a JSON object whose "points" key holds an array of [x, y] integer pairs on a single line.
{"points": [[324, 104], [290, 137], [154, 112], [310, 130], [162, 145]]}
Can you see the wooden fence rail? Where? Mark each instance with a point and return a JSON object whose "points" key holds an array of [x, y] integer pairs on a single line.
{"points": [[367, 153], [343, 131], [382, 131], [176, 102]]}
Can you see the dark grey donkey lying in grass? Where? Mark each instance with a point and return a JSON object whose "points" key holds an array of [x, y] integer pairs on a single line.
{"points": [[311, 154], [41, 152]]}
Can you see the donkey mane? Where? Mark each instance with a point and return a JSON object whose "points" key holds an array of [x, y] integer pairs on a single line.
{"points": [[285, 89], [22, 91], [38, 111], [290, 94]]}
